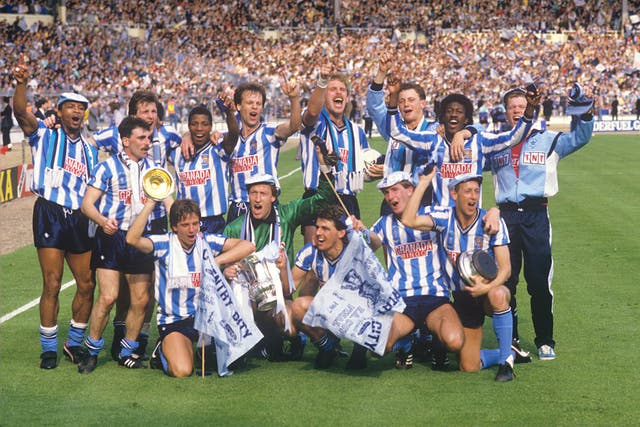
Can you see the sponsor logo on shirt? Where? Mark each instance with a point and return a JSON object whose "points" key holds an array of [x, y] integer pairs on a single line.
{"points": [[195, 177], [451, 170], [413, 249], [75, 167], [195, 279], [344, 155], [534, 158], [244, 164]]}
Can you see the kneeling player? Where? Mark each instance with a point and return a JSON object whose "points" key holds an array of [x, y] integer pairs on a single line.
{"points": [[461, 231], [175, 291]]}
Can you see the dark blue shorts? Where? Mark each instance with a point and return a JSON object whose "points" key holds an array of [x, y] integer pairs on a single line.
{"points": [[184, 327], [212, 224], [236, 209], [420, 306], [157, 226], [113, 253], [60, 228], [470, 310]]}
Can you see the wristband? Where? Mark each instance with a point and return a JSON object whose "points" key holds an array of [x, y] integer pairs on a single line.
{"points": [[322, 83]]}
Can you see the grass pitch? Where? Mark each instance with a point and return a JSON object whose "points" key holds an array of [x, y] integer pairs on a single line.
{"points": [[592, 382]]}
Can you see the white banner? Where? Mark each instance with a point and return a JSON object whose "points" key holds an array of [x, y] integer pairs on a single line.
{"points": [[219, 315], [357, 302]]}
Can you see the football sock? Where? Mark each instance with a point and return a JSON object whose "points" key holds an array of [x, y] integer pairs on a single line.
{"points": [[76, 333], [49, 338], [325, 342], [403, 344], [503, 328], [94, 346], [163, 360], [489, 358], [127, 347]]}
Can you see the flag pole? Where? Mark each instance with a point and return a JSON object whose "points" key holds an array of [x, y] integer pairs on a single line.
{"points": [[202, 356], [335, 192]]}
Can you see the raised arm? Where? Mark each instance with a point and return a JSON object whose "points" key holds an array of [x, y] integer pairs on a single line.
{"points": [[134, 235], [26, 120], [410, 217], [290, 88], [316, 101], [233, 129], [375, 95]]}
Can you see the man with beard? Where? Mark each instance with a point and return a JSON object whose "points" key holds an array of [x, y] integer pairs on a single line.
{"points": [[205, 177], [62, 165]]}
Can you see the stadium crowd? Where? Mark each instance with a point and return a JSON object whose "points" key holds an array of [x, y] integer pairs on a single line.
{"points": [[190, 50]]}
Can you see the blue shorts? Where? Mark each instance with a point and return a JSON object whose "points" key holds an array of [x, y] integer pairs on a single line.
{"points": [[236, 209], [212, 224], [470, 310], [184, 327], [113, 253], [61, 228], [157, 226], [420, 306]]}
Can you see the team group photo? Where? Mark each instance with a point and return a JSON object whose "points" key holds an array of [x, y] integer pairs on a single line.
{"points": [[288, 212]]}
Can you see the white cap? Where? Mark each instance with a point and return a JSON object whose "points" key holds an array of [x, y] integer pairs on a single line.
{"points": [[75, 97], [393, 179]]}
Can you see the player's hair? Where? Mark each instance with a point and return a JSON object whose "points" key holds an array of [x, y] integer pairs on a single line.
{"points": [[160, 110], [337, 216], [129, 123], [181, 208], [513, 93], [459, 98], [140, 96], [200, 110], [341, 78], [40, 102], [249, 87], [415, 86]]}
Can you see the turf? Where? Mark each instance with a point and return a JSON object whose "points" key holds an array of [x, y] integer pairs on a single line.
{"points": [[593, 381]]}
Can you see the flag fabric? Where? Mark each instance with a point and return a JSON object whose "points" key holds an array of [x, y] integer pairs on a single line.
{"points": [[358, 301], [219, 315]]}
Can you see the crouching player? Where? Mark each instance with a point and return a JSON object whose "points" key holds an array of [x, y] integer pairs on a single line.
{"points": [[176, 288], [460, 229]]}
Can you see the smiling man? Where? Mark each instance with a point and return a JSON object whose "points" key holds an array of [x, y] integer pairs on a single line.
{"points": [[114, 198], [460, 231], [63, 161], [205, 177]]}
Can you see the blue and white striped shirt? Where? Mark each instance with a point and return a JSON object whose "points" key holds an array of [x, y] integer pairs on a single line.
{"points": [[176, 304], [113, 178], [455, 240], [256, 154], [54, 153], [309, 258], [415, 267], [476, 149], [347, 141], [204, 178]]}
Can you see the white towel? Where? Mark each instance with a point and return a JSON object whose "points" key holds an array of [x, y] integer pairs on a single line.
{"points": [[179, 276]]}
